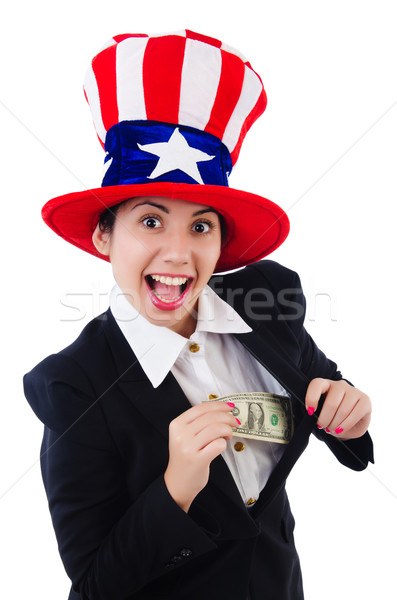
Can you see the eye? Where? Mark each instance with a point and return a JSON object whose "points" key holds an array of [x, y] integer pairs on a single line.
{"points": [[201, 227], [151, 222]]}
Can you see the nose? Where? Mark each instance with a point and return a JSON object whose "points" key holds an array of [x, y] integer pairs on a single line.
{"points": [[176, 248]]}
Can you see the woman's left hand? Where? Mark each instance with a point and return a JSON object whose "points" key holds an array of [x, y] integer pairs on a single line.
{"points": [[346, 412]]}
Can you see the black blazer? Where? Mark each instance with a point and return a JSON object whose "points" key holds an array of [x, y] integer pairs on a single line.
{"points": [[105, 449]]}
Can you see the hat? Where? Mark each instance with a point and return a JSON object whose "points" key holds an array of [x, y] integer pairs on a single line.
{"points": [[171, 112]]}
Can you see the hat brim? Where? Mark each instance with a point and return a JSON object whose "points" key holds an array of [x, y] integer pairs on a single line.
{"points": [[255, 226]]}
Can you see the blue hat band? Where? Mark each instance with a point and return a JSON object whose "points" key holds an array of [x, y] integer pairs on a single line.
{"points": [[149, 151]]}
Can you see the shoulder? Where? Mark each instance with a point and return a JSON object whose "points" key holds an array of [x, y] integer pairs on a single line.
{"points": [[267, 273], [265, 283]]}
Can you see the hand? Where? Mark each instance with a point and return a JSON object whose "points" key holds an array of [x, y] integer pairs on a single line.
{"points": [[197, 436], [346, 412]]}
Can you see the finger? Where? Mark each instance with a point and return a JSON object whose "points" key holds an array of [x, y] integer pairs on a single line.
{"points": [[317, 387], [191, 437], [190, 448], [214, 417], [213, 449], [205, 407], [212, 407], [210, 434], [356, 423], [345, 408], [334, 398]]}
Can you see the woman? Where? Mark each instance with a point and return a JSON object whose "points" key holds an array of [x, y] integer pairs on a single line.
{"points": [[150, 494]]}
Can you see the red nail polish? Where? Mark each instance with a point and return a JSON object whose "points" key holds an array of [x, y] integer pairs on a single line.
{"points": [[327, 430], [230, 404], [239, 422], [310, 410], [319, 426], [339, 430]]}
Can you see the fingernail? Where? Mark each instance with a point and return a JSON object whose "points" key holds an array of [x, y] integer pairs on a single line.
{"points": [[239, 422], [310, 410], [319, 426], [327, 430], [339, 430], [230, 404]]}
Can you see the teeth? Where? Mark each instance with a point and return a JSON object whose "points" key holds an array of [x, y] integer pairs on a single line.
{"points": [[165, 299], [169, 280]]}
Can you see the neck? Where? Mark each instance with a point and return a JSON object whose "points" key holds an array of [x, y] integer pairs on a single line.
{"points": [[185, 327]]}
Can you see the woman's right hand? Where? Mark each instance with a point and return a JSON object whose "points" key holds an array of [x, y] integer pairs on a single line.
{"points": [[196, 437]]}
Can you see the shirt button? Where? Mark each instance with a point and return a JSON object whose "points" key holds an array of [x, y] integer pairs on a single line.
{"points": [[212, 397], [194, 347], [239, 446], [251, 501]]}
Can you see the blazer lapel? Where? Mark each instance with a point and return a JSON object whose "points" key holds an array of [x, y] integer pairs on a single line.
{"points": [[159, 406]]}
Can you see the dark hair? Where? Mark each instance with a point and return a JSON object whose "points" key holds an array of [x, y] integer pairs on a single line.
{"points": [[108, 217]]}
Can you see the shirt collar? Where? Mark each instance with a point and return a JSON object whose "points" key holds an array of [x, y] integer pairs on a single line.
{"points": [[157, 347]]}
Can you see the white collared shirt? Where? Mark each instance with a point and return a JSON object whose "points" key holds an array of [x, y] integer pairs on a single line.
{"points": [[220, 366]]}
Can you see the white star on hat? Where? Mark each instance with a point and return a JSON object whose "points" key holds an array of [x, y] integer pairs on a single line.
{"points": [[176, 154]]}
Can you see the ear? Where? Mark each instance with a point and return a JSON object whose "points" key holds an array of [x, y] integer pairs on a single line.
{"points": [[101, 240]]}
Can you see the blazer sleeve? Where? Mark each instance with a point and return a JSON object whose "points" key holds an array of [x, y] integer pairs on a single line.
{"points": [[355, 453], [110, 546]]}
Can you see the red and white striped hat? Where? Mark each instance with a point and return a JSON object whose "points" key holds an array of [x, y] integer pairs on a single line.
{"points": [[171, 112]]}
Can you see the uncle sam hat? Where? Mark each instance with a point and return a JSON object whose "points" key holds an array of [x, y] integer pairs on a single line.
{"points": [[171, 112]]}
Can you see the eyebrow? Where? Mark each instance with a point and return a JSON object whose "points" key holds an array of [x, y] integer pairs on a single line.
{"points": [[164, 209]]}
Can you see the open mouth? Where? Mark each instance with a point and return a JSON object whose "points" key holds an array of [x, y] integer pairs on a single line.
{"points": [[166, 289]]}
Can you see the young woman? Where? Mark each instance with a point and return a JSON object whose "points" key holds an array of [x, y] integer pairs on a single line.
{"points": [[151, 494]]}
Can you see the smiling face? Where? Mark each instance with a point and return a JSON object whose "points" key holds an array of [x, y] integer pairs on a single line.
{"points": [[163, 253]]}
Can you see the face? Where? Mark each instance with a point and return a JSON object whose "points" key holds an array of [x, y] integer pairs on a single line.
{"points": [[255, 410], [163, 253]]}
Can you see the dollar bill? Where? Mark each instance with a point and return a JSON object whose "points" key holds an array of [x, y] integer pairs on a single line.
{"points": [[263, 416]]}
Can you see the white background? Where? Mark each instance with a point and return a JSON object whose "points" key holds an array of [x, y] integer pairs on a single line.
{"points": [[325, 150]]}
